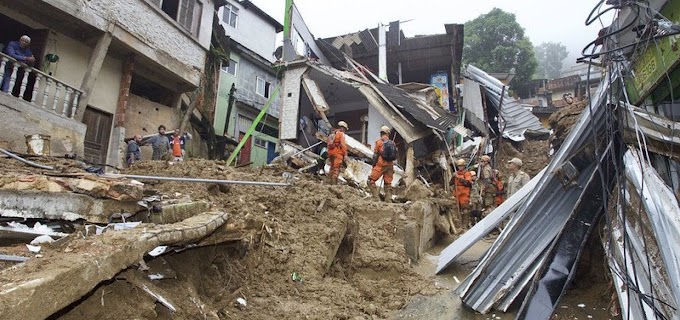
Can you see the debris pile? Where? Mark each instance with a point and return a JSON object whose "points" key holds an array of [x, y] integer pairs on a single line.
{"points": [[272, 253]]}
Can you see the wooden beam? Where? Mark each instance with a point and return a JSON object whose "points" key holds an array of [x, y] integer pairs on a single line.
{"points": [[94, 65]]}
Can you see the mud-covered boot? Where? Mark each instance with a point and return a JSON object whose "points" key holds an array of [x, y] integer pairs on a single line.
{"points": [[375, 192], [465, 219], [388, 194]]}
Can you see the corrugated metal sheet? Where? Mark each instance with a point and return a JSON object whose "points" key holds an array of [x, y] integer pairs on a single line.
{"points": [[472, 103], [518, 120], [663, 213], [515, 256], [433, 117]]}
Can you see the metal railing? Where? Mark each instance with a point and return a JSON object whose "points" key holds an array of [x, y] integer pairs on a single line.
{"points": [[56, 96]]}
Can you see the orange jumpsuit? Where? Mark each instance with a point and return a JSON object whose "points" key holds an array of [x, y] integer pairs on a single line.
{"points": [[337, 151], [499, 194], [463, 181], [382, 167]]}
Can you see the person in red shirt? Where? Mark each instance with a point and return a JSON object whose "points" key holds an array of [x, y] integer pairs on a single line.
{"points": [[383, 160], [177, 142], [337, 150]]}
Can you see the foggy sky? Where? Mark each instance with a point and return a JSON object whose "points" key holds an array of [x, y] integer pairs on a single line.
{"points": [[543, 21]]}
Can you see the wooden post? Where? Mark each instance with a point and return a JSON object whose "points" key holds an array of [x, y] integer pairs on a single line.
{"points": [[94, 65], [410, 165]]}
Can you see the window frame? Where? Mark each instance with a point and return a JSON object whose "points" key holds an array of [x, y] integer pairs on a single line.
{"points": [[266, 87], [226, 68], [231, 14], [260, 143]]}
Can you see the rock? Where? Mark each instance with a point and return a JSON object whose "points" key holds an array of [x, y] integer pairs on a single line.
{"points": [[417, 191], [371, 309]]}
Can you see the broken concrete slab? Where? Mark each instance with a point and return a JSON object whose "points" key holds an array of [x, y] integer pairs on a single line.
{"points": [[50, 284], [123, 190], [419, 235], [177, 212], [32, 204]]}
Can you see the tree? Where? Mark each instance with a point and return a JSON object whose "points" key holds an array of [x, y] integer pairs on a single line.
{"points": [[495, 42], [549, 56]]}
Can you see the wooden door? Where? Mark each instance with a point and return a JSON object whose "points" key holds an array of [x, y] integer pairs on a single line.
{"points": [[244, 156], [97, 135]]}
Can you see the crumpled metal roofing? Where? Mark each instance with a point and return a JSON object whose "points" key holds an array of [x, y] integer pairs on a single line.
{"points": [[663, 214], [518, 120], [433, 117], [521, 248], [472, 103]]}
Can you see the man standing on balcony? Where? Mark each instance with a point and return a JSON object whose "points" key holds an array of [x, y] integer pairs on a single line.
{"points": [[18, 50]]}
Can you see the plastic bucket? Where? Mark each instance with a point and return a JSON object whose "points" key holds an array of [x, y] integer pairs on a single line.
{"points": [[38, 144]]}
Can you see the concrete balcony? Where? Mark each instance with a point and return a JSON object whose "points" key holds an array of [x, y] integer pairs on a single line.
{"points": [[48, 92], [37, 103]]}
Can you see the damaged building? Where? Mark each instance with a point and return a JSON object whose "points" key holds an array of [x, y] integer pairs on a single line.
{"points": [[104, 71], [247, 81]]}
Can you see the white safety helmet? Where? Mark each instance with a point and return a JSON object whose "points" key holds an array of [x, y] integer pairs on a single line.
{"points": [[343, 124], [385, 129]]}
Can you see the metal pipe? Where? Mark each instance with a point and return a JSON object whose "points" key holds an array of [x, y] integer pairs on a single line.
{"points": [[30, 163], [6, 257], [180, 179], [305, 149]]}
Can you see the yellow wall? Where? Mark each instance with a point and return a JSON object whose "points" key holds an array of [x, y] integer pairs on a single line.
{"points": [[73, 60], [107, 86]]}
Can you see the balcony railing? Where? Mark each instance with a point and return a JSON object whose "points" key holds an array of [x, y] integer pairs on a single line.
{"points": [[44, 90]]}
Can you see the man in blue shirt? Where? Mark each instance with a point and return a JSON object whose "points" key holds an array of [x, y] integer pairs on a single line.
{"points": [[133, 153], [18, 50]]}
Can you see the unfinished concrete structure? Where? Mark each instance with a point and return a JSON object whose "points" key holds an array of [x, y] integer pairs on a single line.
{"points": [[92, 59]]}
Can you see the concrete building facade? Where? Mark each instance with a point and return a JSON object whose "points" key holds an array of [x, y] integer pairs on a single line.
{"points": [[105, 52], [251, 74]]}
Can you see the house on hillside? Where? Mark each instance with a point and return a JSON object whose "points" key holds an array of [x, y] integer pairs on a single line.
{"points": [[248, 80], [104, 70]]}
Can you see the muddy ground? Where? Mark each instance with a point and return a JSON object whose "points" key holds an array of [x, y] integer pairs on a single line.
{"points": [[308, 251], [285, 263]]}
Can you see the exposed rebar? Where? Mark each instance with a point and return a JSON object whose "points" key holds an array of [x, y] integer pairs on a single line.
{"points": [[181, 179]]}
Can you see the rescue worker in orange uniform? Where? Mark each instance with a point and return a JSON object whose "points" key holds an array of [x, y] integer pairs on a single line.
{"points": [[463, 183], [500, 187], [384, 154], [337, 150]]}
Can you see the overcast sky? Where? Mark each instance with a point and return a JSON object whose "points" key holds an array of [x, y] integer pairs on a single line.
{"points": [[543, 21]]}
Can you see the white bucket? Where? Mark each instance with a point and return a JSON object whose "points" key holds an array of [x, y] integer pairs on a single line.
{"points": [[38, 144]]}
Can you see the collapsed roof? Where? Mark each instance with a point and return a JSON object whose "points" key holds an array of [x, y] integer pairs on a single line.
{"points": [[412, 117], [514, 121]]}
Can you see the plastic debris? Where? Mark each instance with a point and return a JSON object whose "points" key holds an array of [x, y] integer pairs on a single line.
{"points": [[156, 276], [158, 251], [241, 303], [33, 249], [42, 239], [296, 277]]}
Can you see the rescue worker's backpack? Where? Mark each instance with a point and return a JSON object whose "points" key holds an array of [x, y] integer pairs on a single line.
{"points": [[389, 151]]}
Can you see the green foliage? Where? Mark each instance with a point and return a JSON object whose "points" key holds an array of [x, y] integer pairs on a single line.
{"points": [[495, 42], [549, 56]]}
